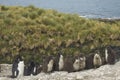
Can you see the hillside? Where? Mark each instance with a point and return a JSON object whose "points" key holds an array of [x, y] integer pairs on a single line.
{"points": [[33, 32]]}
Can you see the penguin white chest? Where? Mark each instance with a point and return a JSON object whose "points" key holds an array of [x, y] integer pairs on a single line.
{"points": [[61, 62], [50, 66], [21, 68], [106, 55], [34, 69]]}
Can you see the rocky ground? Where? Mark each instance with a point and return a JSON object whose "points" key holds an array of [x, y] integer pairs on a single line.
{"points": [[106, 72]]}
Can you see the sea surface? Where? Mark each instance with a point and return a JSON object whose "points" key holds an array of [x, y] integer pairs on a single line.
{"points": [[85, 8]]}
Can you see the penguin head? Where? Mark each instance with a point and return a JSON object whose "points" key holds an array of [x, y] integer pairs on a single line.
{"points": [[109, 47], [59, 54], [97, 56], [18, 58], [32, 64]]}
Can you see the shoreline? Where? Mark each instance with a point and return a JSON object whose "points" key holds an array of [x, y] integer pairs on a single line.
{"points": [[88, 16], [102, 18]]}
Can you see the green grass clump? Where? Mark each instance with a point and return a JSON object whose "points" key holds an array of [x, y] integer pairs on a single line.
{"points": [[34, 32]]}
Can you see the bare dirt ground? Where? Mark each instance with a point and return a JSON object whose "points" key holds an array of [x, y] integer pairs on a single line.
{"points": [[105, 72]]}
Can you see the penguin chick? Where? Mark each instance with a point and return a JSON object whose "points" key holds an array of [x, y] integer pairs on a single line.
{"points": [[76, 65], [82, 63], [97, 61]]}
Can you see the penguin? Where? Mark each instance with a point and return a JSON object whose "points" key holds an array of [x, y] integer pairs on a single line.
{"points": [[89, 61], [18, 67], [76, 65], [97, 61], [31, 68], [48, 64], [69, 64], [82, 63], [59, 62], [72, 64], [116, 51], [110, 56], [117, 55]]}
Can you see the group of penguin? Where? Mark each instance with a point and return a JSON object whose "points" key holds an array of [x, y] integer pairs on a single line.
{"points": [[64, 63]]}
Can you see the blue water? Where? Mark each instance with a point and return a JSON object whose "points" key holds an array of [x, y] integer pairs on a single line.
{"points": [[87, 8]]}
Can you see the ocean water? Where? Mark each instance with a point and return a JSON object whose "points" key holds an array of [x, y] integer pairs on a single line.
{"points": [[86, 8]]}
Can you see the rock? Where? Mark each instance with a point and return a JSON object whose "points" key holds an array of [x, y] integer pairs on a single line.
{"points": [[79, 77], [105, 72], [5, 70]]}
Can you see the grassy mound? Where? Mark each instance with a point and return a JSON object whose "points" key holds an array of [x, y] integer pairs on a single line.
{"points": [[33, 32]]}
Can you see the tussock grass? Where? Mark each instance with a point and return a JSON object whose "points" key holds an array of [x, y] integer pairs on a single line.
{"points": [[33, 32]]}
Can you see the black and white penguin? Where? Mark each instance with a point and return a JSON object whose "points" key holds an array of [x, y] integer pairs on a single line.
{"points": [[31, 68], [97, 61], [18, 67], [48, 64], [59, 62], [110, 55]]}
